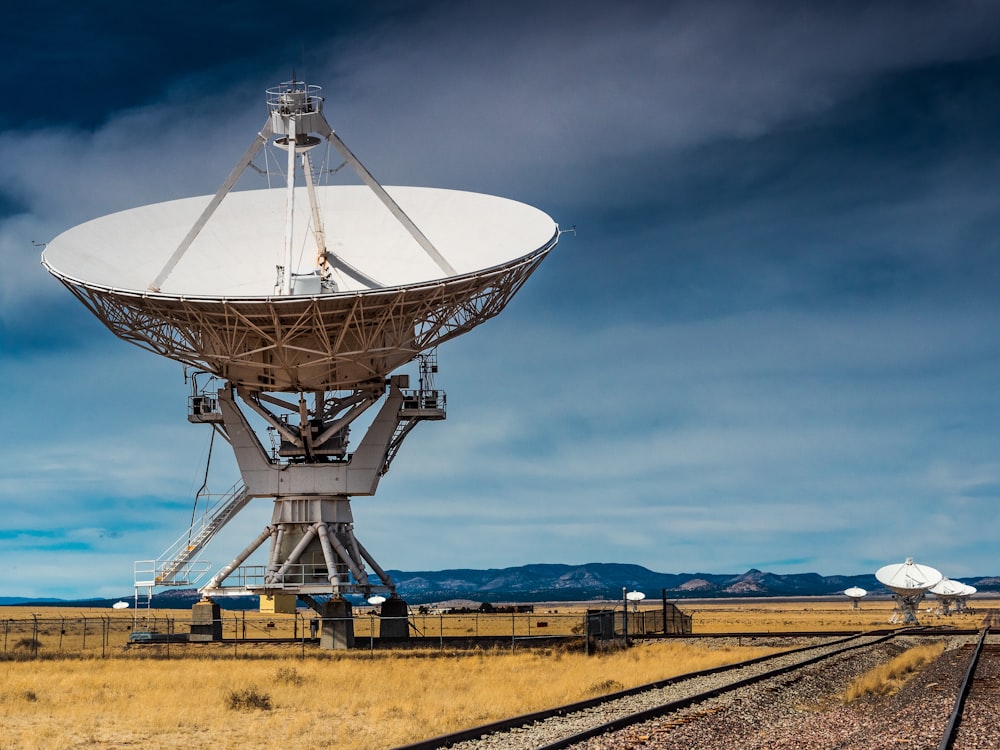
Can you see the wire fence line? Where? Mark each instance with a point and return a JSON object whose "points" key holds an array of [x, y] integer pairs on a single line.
{"points": [[103, 635]]}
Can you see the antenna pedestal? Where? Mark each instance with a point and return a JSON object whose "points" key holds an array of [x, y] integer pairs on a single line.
{"points": [[312, 551], [906, 608]]}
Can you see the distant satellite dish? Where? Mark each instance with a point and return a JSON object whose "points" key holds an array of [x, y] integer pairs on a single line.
{"points": [[947, 587], [908, 578], [962, 601], [635, 596], [948, 592], [376, 600], [909, 583], [855, 593], [119, 605]]}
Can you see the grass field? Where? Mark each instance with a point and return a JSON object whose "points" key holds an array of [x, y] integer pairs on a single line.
{"points": [[238, 696], [359, 700], [766, 615]]}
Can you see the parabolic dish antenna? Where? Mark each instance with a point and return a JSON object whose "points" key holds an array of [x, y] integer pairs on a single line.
{"points": [[856, 593], [376, 600], [635, 596], [907, 577], [301, 302], [119, 605], [947, 587], [948, 592], [383, 301], [962, 601], [908, 582]]}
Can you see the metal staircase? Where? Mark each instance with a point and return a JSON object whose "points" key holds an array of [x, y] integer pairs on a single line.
{"points": [[179, 565], [418, 406]]}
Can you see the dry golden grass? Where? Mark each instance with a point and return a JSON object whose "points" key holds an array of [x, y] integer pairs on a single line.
{"points": [[888, 678], [776, 616], [361, 700], [204, 697]]}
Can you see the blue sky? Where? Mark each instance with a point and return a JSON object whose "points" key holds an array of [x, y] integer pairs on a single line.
{"points": [[772, 342]]}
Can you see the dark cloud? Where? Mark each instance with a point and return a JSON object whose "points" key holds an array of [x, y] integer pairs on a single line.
{"points": [[777, 316]]}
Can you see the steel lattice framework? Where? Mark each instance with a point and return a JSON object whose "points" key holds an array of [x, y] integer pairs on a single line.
{"points": [[325, 342]]}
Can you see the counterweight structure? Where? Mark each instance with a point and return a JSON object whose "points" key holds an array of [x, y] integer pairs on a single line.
{"points": [[302, 301]]}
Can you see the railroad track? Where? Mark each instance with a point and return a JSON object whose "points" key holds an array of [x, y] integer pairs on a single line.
{"points": [[973, 722], [575, 723]]}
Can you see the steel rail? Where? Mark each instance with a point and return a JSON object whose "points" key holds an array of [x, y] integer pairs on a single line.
{"points": [[951, 730], [474, 733]]}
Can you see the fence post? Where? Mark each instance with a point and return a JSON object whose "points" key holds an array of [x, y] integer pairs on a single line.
{"points": [[624, 615], [34, 635]]}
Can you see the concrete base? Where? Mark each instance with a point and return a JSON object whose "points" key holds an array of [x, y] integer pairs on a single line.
{"points": [[337, 626], [394, 623], [206, 622]]}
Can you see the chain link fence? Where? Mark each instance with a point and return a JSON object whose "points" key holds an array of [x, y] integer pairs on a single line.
{"points": [[122, 632]]}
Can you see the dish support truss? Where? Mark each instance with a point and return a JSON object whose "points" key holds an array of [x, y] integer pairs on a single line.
{"points": [[296, 344], [906, 607], [313, 550], [295, 112]]}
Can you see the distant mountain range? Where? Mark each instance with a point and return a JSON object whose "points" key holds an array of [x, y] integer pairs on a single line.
{"points": [[550, 582], [605, 581]]}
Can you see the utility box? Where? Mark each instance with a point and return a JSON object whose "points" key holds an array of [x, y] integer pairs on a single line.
{"points": [[600, 624], [277, 604]]}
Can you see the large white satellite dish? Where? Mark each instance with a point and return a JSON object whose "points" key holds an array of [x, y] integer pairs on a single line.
{"points": [[302, 301], [908, 582]]}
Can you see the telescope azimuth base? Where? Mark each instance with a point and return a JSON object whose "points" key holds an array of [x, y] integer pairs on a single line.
{"points": [[312, 551], [906, 608]]}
